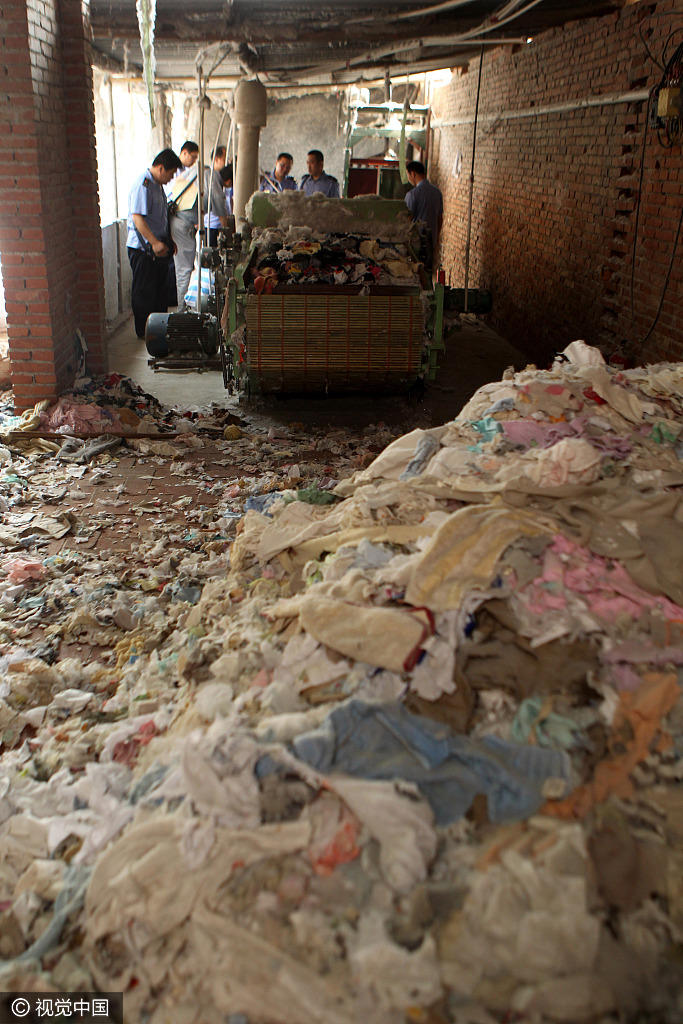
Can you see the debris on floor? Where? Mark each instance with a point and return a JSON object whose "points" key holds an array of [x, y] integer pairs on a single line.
{"points": [[311, 726]]}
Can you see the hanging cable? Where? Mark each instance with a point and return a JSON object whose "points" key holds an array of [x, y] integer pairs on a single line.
{"points": [[668, 39], [671, 127], [213, 153], [447, 5], [666, 280], [473, 35], [640, 191], [469, 213], [647, 48]]}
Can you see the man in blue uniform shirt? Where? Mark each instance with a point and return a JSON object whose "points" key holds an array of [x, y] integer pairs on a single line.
{"points": [[226, 178], [316, 180], [280, 180], [425, 202], [214, 196], [149, 242]]}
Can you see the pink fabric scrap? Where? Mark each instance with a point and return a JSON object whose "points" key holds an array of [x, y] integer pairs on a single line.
{"points": [[530, 433], [603, 585], [21, 569], [80, 418]]}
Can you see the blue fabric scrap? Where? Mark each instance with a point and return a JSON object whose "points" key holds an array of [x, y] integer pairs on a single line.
{"points": [[384, 741], [487, 427], [262, 502]]}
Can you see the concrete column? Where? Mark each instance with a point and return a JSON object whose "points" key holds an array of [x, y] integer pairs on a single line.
{"points": [[250, 117]]}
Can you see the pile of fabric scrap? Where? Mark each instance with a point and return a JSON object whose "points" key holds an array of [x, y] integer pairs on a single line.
{"points": [[95, 406], [411, 752], [328, 260]]}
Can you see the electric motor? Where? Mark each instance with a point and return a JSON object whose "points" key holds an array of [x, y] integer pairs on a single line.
{"points": [[169, 334]]}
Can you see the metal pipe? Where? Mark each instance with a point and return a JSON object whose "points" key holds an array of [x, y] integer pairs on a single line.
{"points": [[469, 212], [607, 100], [470, 36], [112, 129], [250, 117], [200, 179], [418, 12], [215, 145], [447, 5], [411, 44], [230, 143]]}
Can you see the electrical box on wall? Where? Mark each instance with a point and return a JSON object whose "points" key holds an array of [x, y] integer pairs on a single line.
{"points": [[670, 102]]}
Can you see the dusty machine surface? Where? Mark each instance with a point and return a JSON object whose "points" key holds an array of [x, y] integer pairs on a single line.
{"points": [[316, 295]]}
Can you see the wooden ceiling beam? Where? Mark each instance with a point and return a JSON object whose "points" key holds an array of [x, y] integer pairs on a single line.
{"points": [[186, 30]]}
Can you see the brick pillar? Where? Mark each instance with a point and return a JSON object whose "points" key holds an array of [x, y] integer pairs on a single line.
{"points": [[80, 125], [50, 239]]}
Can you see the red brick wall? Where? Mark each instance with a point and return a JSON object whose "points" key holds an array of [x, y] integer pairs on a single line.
{"points": [[50, 240], [555, 193]]}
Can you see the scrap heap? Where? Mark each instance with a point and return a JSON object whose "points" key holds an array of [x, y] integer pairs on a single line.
{"points": [[413, 755], [300, 241], [334, 260]]}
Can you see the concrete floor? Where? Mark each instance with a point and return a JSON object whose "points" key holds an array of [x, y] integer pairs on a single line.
{"points": [[474, 355]]}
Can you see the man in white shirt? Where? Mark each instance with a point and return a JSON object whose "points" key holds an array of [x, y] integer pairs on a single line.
{"points": [[183, 192]]}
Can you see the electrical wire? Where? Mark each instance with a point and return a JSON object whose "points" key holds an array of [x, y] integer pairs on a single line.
{"points": [[672, 135], [666, 280], [447, 5], [640, 190], [493, 26], [473, 35], [668, 40], [471, 195], [647, 48]]}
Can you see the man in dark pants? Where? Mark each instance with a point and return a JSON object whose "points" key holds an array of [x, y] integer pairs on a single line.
{"points": [[150, 247], [425, 202]]}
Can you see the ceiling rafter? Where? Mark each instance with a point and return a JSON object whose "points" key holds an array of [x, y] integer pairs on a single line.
{"points": [[332, 39]]}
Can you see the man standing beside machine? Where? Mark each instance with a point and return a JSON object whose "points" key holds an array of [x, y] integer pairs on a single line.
{"points": [[228, 186], [280, 180], [215, 208], [316, 180], [149, 242], [182, 196], [425, 202]]}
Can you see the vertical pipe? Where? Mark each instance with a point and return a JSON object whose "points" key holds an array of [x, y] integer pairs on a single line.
{"points": [[469, 212], [247, 166], [112, 129], [200, 182], [213, 150], [250, 117], [387, 99]]}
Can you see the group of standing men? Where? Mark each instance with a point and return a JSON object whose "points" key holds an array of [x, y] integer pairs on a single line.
{"points": [[317, 180], [163, 216]]}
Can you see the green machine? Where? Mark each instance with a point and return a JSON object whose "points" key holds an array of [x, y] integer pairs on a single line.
{"points": [[354, 311]]}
